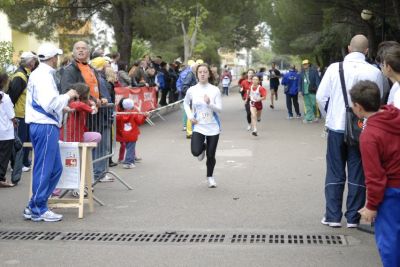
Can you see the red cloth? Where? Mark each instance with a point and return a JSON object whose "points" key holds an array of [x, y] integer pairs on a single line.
{"points": [[76, 122], [380, 146], [128, 126], [245, 84]]}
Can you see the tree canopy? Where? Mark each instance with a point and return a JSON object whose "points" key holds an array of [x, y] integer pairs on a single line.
{"points": [[185, 28], [322, 29]]}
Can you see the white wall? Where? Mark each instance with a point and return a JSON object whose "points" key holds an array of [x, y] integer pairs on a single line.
{"points": [[5, 30]]}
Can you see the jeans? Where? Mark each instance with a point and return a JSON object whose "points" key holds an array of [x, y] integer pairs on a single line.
{"points": [[248, 113], [292, 99], [17, 158], [6, 148], [130, 153], [225, 90], [23, 134], [103, 148], [337, 157]]}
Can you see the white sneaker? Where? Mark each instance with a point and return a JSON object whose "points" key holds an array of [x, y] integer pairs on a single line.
{"points": [[211, 182], [331, 224], [249, 127], [202, 155], [129, 166], [48, 216], [106, 179], [352, 225], [26, 169]]}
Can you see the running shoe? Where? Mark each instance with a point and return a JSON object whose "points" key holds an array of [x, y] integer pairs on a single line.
{"points": [[352, 225], [48, 216], [254, 133], [129, 166], [298, 116], [26, 169], [202, 155], [106, 179], [271, 106], [290, 117], [249, 127], [211, 182], [27, 213], [331, 224]]}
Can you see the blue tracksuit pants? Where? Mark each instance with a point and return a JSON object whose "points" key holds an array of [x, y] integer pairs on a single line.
{"points": [[47, 165], [387, 228]]}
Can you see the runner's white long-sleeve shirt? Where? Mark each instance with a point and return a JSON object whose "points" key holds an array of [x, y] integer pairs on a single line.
{"points": [[43, 90], [355, 69], [206, 115]]}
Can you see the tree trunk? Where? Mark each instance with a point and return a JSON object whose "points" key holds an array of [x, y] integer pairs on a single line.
{"points": [[371, 40], [123, 29], [186, 44]]}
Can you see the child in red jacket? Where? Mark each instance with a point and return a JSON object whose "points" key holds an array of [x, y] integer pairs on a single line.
{"points": [[128, 129], [75, 129], [380, 146]]}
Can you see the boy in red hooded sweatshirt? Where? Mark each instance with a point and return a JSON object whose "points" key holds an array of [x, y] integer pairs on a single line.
{"points": [[128, 129], [380, 146]]}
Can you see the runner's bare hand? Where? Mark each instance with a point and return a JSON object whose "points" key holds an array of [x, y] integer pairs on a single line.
{"points": [[206, 99], [72, 94]]}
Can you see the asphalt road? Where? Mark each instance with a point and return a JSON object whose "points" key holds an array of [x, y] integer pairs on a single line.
{"points": [[272, 184]]}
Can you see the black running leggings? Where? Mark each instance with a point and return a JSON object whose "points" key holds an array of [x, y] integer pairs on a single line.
{"points": [[248, 113], [210, 146]]}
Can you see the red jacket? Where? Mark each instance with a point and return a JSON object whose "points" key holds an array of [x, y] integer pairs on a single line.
{"points": [[76, 122], [380, 146], [245, 84], [128, 127]]}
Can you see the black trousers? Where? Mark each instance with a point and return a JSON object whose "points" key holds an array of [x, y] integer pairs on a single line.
{"points": [[292, 99], [248, 113], [198, 146], [6, 147]]}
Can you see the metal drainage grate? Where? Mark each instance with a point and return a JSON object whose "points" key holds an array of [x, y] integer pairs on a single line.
{"points": [[179, 238]]}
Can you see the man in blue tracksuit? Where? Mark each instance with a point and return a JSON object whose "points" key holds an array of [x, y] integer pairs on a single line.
{"points": [[291, 82], [44, 107]]}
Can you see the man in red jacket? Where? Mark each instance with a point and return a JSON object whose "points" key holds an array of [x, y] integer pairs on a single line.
{"points": [[380, 146]]}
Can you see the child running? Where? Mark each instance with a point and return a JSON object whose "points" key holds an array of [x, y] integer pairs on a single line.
{"points": [[257, 94], [244, 91], [128, 130], [76, 127], [206, 102]]}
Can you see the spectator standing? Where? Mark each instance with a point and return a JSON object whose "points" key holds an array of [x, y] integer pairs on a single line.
{"points": [[273, 76], [308, 85], [123, 76], [17, 92], [164, 81], [44, 107], [128, 130], [381, 167], [7, 122], [114, 61], [79, 71], [391, 69], [339, 154], [290, 82], [226, 79]]}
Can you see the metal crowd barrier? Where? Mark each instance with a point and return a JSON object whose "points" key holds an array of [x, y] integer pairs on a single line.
{"points": [[103, 122], [161, 111]]}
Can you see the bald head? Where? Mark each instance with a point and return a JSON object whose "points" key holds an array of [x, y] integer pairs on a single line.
{"points": [[81, 51], [359, 43]]}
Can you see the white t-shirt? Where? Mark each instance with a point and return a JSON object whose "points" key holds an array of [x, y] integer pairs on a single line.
{"points": [[206, 115], [395, 88], [396, 97], [6, 114]]}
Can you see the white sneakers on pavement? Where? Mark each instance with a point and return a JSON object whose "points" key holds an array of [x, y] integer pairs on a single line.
{"points": [[211, 182], [26, 169], [331, 224], [48, 216], [129, 166]]}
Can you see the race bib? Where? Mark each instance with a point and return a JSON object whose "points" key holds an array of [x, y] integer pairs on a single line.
{"points": [[204, 114]]}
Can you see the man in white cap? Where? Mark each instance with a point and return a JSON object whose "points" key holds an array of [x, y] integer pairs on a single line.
{"points": [[44, 107], [17, 92]]}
